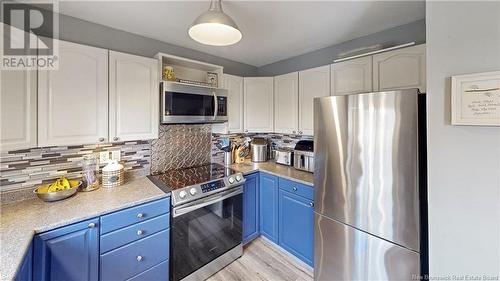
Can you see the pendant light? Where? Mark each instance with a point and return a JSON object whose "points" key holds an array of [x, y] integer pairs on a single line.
{"points": [[214, 27]]}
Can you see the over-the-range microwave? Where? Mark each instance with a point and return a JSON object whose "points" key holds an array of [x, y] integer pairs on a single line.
{"points": [[181, 103]]}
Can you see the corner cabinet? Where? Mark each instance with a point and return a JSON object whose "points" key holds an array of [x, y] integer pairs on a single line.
{"points": [[133, 97], [286, 103], [258, 104], [400, 69], [68, 253], [234, 86], [268, 198], [251, 207], [73, 100], [352, 76], [18, 102], [313, 83]]}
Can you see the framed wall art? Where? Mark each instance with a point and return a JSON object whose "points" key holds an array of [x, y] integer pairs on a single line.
{"points": [[475, 99]]}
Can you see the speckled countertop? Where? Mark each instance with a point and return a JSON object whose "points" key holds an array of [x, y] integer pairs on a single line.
{"points": [[276, 169], [21, 220]]}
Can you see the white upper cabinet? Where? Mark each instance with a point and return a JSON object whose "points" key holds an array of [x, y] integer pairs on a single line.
{"points": [[133, 97], [234, 86], [400, 69], [18, 109], [258, 104], [73, 100], [313, 83], [352, 76], [286, 108]]}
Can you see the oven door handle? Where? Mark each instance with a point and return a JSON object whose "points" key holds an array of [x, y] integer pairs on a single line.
{"points": [[216, 105], [181, 210]]}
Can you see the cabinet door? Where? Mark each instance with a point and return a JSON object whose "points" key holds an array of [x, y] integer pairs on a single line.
{"points": [[18, 102], [268, 198], [251, 208], [400, 69], [25, 272], [234, 86], [352, 76], [296, 219], [133, 97], [73, 100], [258, 104], [313, 83], [68, 253], [286, 99]]}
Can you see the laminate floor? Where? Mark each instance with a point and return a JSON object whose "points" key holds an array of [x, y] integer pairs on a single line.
{"points": [[263, 261]]}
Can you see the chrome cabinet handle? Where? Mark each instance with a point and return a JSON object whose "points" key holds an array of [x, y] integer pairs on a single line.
{"points": [[294, 188], [115, 138], [91, 225], [311, 204], [101, 139], [139, 232], [139, 258], [140, 215]]}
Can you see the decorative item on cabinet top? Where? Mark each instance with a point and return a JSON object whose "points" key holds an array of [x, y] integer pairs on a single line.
{"points": [[22, 170]]}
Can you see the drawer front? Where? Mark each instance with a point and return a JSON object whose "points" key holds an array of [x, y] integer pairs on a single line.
{"points": [[156, 273], [134, 258], [133, 215], [297, 188], [120, 237]]}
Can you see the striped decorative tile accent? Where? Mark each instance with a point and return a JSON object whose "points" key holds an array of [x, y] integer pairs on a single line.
{"points": [[22, 170]]}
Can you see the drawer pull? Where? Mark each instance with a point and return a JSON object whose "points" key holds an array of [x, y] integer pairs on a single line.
{"points": [[139, 258], [140, 215], [294, 188], [139, 232], [91, 225], [311, 204]]}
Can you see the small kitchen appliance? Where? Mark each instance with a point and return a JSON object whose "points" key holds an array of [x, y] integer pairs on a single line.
{"points": [[284, 156], [303, 156], [206, 219], [181, 103], [259, 147]]}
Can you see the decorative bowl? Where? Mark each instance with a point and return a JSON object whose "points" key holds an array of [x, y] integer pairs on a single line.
{"points": [[57, 195]]}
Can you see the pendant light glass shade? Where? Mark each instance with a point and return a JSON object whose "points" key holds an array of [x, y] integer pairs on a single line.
{"points": [[215, 28]]}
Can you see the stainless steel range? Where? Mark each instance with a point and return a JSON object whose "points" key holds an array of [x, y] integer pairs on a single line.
{"points": [[206, 226]]}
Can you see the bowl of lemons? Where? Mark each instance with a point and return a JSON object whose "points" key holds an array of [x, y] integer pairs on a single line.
{"points": [[60, 189]]}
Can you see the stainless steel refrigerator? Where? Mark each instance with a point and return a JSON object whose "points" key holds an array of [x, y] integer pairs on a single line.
{"points": [[367, 177]]}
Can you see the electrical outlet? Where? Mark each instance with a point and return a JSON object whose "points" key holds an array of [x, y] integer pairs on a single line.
{"points": [[103, 157], [116, 155]]}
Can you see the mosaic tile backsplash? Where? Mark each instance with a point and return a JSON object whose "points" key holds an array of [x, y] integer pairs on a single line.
{"points": [[181, 146], [22, 170], [277, 140]]}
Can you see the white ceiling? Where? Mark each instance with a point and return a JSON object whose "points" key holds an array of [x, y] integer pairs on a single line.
{"points": [[272, 30]]}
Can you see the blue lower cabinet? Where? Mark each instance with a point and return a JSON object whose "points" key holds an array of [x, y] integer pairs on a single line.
{"points": [[268, 213], [68, 253], [156, 273], [251, 207], [25, 272], [134, 258], [296, 225]]}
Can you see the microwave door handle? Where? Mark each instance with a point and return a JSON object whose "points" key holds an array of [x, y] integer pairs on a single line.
{"points": [[181, 210], [216, 105]]}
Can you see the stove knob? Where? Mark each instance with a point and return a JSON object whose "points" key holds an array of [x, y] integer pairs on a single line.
{"points": [[238, 178], [230, 180], [182, 194], [192, 191]]}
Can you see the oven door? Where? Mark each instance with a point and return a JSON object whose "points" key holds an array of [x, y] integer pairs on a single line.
{"points": [[205, 229], [190, 104]]}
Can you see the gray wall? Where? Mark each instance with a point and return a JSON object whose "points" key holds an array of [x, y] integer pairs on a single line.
{"points": [[412, 32], [84, 32], [464, 161]]}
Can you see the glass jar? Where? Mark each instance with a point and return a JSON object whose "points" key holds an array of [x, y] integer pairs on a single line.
{"points": [[90, 173]]}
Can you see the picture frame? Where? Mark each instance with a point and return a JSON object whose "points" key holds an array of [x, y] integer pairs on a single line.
{"points": [[475, 99], [212, 79]]}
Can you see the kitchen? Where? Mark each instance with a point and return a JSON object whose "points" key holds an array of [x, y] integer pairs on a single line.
{"points": [[174, 159]]}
